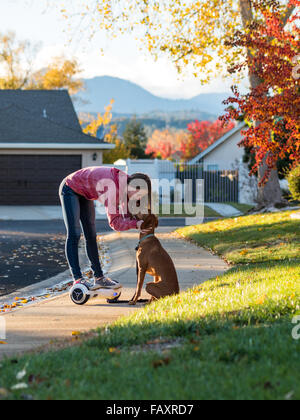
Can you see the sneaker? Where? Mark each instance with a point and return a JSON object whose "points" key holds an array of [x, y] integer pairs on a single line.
{"points": [[81, 281], [106, 283]]}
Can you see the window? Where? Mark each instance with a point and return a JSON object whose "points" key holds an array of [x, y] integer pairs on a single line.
{"points": [[212, 168]]}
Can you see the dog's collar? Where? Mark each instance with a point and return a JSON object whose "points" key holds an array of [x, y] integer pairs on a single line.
{"points": [[143, 239]]}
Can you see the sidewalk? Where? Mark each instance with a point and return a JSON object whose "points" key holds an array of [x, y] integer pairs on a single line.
{"points": [[225, 210], [54, 213], [33, 326]]}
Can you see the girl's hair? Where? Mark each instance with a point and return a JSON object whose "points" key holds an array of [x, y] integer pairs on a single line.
{"points": [[146, 178]]}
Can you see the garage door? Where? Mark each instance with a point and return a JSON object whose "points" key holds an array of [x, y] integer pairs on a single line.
{"points": [[34, 179]]}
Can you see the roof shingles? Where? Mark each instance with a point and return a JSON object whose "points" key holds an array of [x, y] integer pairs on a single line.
{"points": [[40, 117]]}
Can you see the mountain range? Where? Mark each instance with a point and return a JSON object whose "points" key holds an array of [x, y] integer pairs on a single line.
{"points": [[133, 99]]}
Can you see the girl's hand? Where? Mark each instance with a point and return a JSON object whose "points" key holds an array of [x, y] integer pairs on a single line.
{"points": [[139, 224]]}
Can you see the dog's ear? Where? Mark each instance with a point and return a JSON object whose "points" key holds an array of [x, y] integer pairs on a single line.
{"points": [[151, 221]]}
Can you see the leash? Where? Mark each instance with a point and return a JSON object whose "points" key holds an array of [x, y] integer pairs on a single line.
{"points": [[143, 239]]}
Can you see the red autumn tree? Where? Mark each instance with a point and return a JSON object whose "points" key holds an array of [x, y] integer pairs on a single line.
{"points": [[189, 148], [205, 133], [272, 108], [166, 144], [186, 145]]}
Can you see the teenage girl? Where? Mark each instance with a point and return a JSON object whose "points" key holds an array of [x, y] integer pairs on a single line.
{"points": [[111, 187]]}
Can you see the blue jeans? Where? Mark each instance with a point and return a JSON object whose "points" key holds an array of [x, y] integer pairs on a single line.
{"points": [[79, 213]]}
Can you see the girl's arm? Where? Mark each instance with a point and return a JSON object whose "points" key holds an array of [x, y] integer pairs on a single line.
{"points": [[121, 223]]}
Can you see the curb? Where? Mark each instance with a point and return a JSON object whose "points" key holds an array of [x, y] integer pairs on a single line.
{"points": [[37, 289], [119, 251]]}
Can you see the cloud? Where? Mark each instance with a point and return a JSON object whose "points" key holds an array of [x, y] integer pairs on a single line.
{"points": [[47, 53]]}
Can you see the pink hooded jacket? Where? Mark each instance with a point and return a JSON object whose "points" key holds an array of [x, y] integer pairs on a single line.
{"points": [[105, 185]]}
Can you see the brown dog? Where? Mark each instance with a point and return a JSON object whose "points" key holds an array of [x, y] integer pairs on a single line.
{"points": [[153, 259]]}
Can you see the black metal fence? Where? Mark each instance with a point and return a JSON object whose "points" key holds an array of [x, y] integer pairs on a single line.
{"points": [[219, 186]]}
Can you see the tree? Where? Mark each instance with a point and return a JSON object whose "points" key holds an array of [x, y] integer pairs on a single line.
{"points": [[60, 74], [283, 164], [202, 134], [195, 34], [16, 61], [109, 131], [166, 144], [273, 106], [185, 145], [93, 124], [119, 152], [189, 148], [134, 137], [205, 133]]}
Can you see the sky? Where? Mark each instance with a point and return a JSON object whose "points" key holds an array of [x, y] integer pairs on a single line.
{"points": [[33, 20]]}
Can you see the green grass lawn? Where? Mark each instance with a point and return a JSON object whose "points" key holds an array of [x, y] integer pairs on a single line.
{"points": [[230, 338], [250, 239]]}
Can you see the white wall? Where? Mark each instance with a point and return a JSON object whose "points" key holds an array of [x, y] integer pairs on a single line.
{"points": [[145, 166], [88, 158], [228, 155], [248, 185], [155, 169]]}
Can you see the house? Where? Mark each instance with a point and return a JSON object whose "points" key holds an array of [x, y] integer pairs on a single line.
{"points": [[225, 155], [226, 176], [41, 142]]}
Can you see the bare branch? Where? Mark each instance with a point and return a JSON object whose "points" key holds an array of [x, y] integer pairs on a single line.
{"points": [[288, 14]]}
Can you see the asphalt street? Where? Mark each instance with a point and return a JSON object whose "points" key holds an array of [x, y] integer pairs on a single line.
{"points": [[33, 251]]}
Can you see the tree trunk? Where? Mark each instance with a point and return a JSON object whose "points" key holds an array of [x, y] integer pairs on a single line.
{"points": [[269, 194]]}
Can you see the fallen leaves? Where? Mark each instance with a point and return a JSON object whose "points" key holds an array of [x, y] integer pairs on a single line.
{"points": [[261, 300], [35, 379], [29, 259], [58, 288], [244, 252], [161, 362], [114, 350]]}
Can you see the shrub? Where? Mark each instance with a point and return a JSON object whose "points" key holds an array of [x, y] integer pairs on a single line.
{"points": [[294, 183]]}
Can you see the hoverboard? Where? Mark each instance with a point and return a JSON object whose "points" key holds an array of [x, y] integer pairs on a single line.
{"points": [[80, 294]]}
